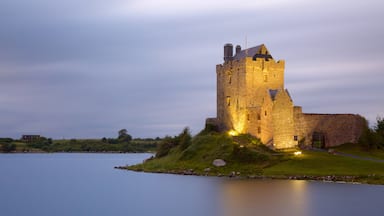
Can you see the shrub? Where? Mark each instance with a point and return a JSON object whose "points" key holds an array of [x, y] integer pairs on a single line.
{"points": [[185, 139], [166, 145], [7, 147], [209, 129], [246, 155], [6, 140]]}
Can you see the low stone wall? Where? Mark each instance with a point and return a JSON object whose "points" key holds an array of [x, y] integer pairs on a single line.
{"points": [[336, 128]]}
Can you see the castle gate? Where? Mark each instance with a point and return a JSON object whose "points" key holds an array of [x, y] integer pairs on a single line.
{"points": [[318, 140]]}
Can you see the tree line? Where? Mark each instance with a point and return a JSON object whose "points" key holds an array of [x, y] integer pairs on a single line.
{"points": [[122, 143], [373, 138]]}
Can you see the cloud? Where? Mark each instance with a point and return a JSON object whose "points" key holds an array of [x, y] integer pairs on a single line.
{"points": [[89, 68], [190, 7]]}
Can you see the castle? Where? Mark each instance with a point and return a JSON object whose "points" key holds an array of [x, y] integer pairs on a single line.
{"points": [[251, 98]]}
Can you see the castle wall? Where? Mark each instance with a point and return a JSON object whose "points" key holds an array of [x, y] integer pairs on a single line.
{"points": [[247, 103], [336, 128], [242, 95], [263, 74], [283, 121], [231, 96]]}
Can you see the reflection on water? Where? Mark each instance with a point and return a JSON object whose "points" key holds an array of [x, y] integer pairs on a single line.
{"points": [[263, 197], [87, 184], [299, 198]]}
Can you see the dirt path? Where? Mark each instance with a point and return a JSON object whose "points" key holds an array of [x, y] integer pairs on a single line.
{"points": [[358, 157]]}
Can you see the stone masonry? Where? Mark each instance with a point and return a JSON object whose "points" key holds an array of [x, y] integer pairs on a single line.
{"points": [[251, 99]]}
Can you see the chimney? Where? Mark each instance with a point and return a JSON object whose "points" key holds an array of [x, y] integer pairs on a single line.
{"points": [[228, 52], [238, 49]]}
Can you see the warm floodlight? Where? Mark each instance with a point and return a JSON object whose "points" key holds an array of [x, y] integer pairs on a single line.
{"points": [[233, 133], [297, 153]]}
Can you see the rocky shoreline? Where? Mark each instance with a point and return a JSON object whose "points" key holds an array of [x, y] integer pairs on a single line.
{"points": [[328, 178]]}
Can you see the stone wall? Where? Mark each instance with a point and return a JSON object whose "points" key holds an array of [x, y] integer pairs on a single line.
{"points": [[243, 95], [336, 128], [283, 121]]}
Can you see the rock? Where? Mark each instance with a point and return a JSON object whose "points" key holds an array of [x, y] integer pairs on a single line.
{"points": [[219, 163], [188, 172], [207, 169]]}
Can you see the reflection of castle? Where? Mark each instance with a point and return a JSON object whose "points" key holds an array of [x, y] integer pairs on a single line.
{"points": [[251, 99]]}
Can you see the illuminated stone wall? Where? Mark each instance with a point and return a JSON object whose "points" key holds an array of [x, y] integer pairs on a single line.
{"points": [[251, 99], [283, 121], [243, 100]]}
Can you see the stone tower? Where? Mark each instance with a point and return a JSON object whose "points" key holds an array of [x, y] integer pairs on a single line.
{"points": [[251, 99]]}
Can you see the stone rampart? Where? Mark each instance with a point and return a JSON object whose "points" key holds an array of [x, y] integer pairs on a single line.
{"points": [[336, 129]]}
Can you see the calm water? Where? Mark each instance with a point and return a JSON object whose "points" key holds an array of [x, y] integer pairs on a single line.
{"points": [[87, 184]]}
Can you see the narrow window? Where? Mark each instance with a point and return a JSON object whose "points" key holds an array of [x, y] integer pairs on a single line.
{"points": [[265, 113], [228, 101], [265, 78], [258, 116], [295, 138], [230, 79], [248, 116]]}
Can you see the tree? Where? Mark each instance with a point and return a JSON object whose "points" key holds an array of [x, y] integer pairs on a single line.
{"points": [[373, 138], [123, 132], [379, 128], [7, 147], [124, 136], [185, 139]]}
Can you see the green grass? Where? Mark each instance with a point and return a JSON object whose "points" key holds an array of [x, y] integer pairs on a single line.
{"points": [[248, 160], [361, 151], [254, 159], [322, 163]]}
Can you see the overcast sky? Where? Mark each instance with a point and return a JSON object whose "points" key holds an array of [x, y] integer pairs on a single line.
{"points": [[87, 68]]}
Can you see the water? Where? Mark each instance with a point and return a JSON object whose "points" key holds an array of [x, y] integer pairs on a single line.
{"points": [[87, 184]]}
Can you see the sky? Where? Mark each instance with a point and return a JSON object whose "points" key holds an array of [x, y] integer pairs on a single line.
{"points": [[88, 68]]}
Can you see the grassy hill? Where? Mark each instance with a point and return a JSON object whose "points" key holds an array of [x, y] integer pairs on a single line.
{"points": [[245, 156]]}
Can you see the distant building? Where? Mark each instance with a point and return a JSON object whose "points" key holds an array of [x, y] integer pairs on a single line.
{"points": [[251, 98], [30, 138]]}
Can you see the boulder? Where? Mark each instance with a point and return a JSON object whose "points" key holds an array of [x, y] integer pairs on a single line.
{"points": [[218, 162]]}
